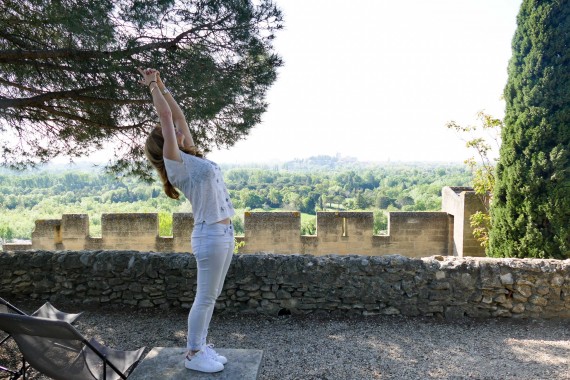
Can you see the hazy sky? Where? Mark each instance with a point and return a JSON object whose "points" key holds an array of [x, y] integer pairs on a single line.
{"points": [[379, 79]]}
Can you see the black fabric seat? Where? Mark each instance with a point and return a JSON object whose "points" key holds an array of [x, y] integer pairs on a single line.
{"points": [[47, 310], [56, 349]]}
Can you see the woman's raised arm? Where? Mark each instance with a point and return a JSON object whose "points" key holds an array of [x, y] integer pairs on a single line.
{"points": [[170, 149], [177, 115]]}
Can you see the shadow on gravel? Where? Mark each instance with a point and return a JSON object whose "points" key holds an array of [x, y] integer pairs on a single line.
{"points": [[311, 348]]}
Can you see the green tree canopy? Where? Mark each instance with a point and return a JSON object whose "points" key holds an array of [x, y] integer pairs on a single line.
{"points": [[531, 203], [69, 86]]}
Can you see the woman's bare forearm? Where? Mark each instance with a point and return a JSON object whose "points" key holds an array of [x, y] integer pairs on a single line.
{"points": [[161, 105], [170, 148], [177, 114]]}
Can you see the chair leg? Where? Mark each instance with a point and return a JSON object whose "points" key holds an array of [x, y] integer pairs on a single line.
{"points": [[5, 339], [23, 368], [13, 375]]}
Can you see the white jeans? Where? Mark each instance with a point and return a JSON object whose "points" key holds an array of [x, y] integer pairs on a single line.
{"points": [[213, 247]]}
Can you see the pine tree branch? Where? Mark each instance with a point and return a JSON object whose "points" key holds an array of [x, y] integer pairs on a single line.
{"points": [[18, 55], [20, 87], [69, 116], [75, 94]]}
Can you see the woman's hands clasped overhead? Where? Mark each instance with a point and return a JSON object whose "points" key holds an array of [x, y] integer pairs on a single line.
{"points": [[149, 76]]}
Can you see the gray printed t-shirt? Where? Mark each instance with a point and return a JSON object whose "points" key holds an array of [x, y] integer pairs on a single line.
{"points": [[202, 183]]}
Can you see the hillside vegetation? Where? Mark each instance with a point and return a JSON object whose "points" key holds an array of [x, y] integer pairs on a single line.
{"points": [[315, 184]]}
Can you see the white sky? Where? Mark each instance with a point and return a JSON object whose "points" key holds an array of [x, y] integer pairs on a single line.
{"points": [[378, 79]]}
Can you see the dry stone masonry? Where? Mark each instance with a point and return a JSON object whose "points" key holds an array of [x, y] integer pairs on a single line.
{"points": [[275, 284]]}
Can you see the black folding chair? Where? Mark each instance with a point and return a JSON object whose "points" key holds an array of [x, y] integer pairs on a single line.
{"points": [[56, 349], [45, 311]]}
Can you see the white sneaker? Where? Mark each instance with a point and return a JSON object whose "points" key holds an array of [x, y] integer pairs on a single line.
{"points": [[204, 362], [209, 348]]}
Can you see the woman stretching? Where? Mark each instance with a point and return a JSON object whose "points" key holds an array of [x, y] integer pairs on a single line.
{"points": [[171, 150]]}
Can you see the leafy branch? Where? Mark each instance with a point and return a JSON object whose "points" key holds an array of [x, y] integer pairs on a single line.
{"points": [[484, 139]]}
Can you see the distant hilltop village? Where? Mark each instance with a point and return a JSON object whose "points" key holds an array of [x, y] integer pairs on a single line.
{"points": [[412, 234]]}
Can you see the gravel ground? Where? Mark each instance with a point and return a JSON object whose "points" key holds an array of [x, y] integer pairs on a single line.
{"points": [[380, 347]]}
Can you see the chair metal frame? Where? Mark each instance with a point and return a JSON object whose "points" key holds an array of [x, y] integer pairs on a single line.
{"points": [[15, 374], [93, 345]]}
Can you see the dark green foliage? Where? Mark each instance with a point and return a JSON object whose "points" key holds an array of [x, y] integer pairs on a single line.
{"points": [[344, 187], [69, 85], [6, 233], [531, 203]]}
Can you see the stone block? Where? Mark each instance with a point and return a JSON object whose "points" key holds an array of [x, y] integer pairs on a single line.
{"points": [[46, 234], [74, 231], [16, 247], [126, 231], [167, 363], [266, 231], [182, 226]]}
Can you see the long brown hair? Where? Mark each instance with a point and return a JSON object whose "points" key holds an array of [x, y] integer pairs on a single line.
{"points": [[153, 150]]}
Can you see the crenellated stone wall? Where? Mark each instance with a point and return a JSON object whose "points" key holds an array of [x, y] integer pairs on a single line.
{"points": [[411, 234], [272, 284]]}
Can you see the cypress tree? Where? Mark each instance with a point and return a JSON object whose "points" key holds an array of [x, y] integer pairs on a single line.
{"points": [[531, 204]]}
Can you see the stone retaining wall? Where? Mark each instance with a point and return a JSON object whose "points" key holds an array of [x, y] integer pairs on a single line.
{"points": [[280, 284]]}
